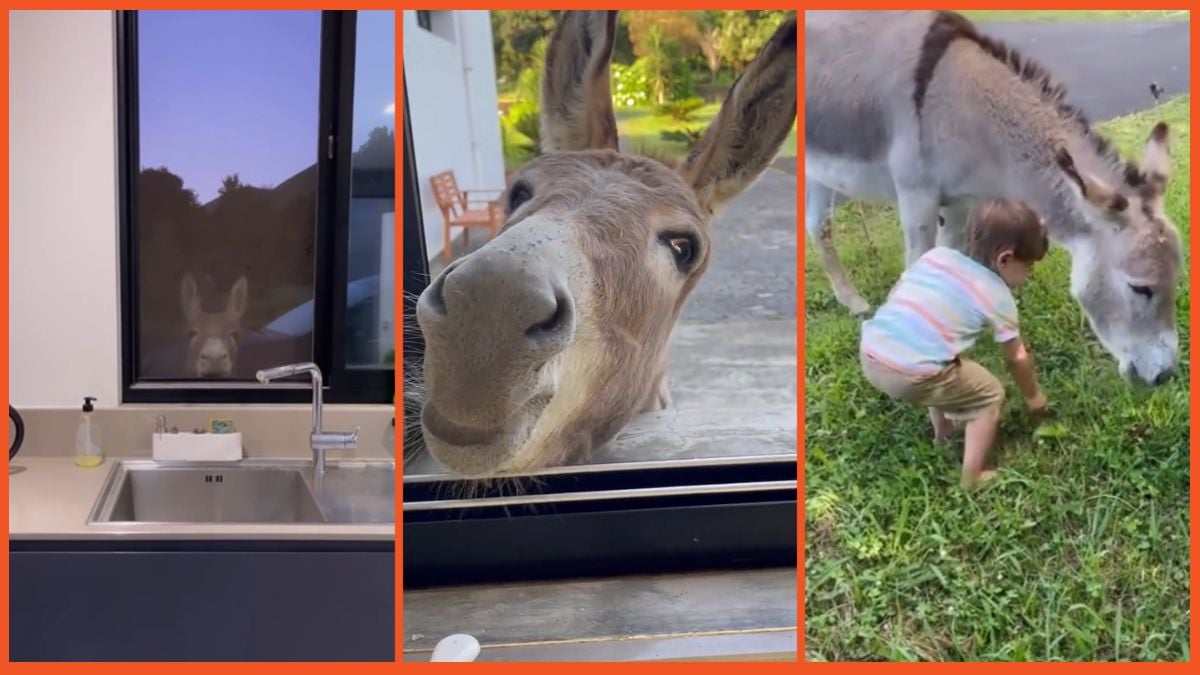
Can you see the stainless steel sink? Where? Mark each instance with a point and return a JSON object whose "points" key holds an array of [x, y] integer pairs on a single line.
{"points": [[250, 491]]}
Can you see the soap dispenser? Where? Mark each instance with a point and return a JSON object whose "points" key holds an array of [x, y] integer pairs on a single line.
{"points": [[87, 439], [389, 438]]}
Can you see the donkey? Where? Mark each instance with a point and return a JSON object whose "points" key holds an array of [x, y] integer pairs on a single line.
{"points": [[932, 115], [547, 341], [212, 336]]}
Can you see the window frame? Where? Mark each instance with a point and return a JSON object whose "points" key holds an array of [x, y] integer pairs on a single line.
{"points": [[460, 543], [425, 19], [331, 240]]}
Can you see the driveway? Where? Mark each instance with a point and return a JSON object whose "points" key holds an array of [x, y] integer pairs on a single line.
{"points": [[1106, 66]]}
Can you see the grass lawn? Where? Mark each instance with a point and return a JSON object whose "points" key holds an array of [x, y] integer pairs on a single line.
{"points": [[642, 129], [1077, 15], [1078, 551]]}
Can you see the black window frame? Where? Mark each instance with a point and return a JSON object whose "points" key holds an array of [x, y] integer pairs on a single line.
{"points": [[331, 241], [603, 536], [425, 19]]}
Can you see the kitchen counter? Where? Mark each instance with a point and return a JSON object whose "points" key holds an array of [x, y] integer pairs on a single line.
{"points": [[50, 499]]}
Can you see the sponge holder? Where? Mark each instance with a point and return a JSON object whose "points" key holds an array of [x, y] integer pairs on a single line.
{"points": [[192, 447]]}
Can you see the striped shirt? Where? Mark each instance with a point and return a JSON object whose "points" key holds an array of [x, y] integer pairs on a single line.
{"points": [[936, 311]]}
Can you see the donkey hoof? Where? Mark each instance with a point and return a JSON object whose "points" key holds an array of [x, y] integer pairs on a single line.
{"points": [[858, 306]]}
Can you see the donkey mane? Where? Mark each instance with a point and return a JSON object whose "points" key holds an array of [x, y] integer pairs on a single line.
{"points": [[949, 26]]}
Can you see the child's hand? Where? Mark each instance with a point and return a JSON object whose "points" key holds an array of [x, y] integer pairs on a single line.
{"points": [[1038, 405]]}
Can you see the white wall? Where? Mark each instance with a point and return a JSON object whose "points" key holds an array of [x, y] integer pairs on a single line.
{"points": [[64, 316], [450, 75]]}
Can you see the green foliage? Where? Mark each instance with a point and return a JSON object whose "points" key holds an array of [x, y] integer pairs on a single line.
{"points": [[514, 34], [519, 132], [687, 136], [667, 71], [630, 85], [680, 110], [740, 35], [658, 59], [519, 127], [1078, 551]]}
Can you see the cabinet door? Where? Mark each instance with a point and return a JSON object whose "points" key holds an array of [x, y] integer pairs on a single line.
{"points": [[201, 606]]}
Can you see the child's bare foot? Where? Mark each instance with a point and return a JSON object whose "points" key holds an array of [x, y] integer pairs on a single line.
{"points": [[983, 477]]}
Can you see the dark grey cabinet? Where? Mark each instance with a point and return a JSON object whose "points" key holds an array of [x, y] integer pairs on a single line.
{"points": [[202, 601]]}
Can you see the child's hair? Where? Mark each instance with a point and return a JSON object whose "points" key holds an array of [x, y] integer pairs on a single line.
{"points": [[997, 225]]}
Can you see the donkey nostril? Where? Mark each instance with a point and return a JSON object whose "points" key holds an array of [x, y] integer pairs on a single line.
{"points": [[558, 320], [1164, 376]]}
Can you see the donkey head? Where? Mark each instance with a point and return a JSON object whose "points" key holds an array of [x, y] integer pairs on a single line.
{"points": [[212, 336], [548, 340], [1124, 272]]}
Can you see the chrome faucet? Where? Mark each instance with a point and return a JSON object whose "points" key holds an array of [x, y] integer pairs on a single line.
{"points": [[319, 439]]}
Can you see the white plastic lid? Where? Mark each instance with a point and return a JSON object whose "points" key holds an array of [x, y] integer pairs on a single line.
{"points": [[457, 647]]}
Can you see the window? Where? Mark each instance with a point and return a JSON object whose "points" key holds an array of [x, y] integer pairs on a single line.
{"points": [[708, 483], [439, 23], [257, 193]]}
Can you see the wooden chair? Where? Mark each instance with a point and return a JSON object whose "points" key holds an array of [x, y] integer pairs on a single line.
{"points": [[455, 205]]}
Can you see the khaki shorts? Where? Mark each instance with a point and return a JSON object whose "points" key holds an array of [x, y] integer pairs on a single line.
{"points": [[961, 391]]}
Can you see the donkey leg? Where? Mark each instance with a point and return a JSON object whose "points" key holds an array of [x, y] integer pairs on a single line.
{"points": [[818, 216], [919, 217], [952, 231]]}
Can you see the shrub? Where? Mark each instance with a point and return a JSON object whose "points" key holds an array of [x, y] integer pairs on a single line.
{"points": [[631, 86], [681, 110]]}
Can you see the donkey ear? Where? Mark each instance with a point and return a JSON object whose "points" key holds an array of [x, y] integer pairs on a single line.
{"points": [[235, 304], [1090, 188], [753, 123], [189, 298], [577, 110], [1156, 158]]}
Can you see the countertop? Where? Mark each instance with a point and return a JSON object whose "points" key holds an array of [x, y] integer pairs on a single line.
{"points": [[49, 498]]}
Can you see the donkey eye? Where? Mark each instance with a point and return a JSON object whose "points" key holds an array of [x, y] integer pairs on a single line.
{"points": [[1144, 291], [683, 248], [234, 336], [193, 334], [518, 194]]}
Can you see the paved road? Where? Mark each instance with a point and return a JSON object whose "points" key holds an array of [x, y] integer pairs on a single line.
{"points": [[1106, 66], [752, 274]]}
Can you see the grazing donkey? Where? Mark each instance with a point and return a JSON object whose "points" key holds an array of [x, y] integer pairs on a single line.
{"points": [[920, 109], [212, 336], [547, 341]]}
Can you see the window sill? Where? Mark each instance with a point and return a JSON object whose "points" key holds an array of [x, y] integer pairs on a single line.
{"points": [[713, 616]]}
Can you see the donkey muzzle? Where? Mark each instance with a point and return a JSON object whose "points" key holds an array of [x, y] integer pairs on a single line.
{"points": [[490, 322]]}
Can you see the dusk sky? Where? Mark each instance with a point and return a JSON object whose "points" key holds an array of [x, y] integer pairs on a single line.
{"points": [[226, 92]]}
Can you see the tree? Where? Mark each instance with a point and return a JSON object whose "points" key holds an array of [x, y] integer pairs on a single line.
{"points": [[741, 34], [230, 183], [378, 151], [169, 217], [663, 42], [514, 33], [650, 30], [708, 40]]}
